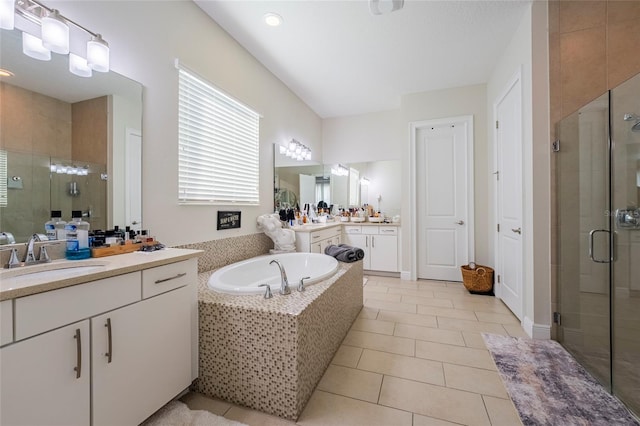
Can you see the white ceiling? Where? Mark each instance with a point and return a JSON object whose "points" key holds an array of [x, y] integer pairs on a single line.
{"points": [[342, 60]]}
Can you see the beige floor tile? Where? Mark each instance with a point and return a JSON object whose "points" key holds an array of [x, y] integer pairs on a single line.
{"points": [[456, 284], [497, 318], [459, 355], [515, 330], [375, 289], [427, 301], [406, 285], [373, 295], [431, 284], [501, 411], [197, 401], [391, 306], [253, 417], [472, 305], [447, 312], [433, 401], [419, 420], [411, 292], [358, 384], [380, 342], [373, 326], [451, 337], [347, 356], [368, 313], [447, 293], [415, 319], [474, 380], [330, 410], [465, 325], [406, 367], [473, 339]]}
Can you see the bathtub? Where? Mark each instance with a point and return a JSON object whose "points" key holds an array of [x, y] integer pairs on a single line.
{"points": [[244, 277]]}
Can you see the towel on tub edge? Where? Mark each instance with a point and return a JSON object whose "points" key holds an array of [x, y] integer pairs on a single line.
{"points": [[345, 253]]}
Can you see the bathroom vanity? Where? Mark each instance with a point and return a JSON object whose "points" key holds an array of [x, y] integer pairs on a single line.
{"points": [[99, 342]]}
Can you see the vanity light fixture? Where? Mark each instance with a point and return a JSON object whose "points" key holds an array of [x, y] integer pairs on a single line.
{"points": [[364, 181], [339, 170], [272, 19], [296, 150], [7, 16], [5, 73], [69, 170], [55, 30]]}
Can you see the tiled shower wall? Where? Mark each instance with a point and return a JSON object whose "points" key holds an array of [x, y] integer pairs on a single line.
{"points": [[592, 48]]}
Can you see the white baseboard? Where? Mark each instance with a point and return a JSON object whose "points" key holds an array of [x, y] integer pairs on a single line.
{"points": [[536, 331], [405, 275]]}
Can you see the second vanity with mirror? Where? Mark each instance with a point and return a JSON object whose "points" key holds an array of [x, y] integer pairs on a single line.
{"points": [[68, 143]]}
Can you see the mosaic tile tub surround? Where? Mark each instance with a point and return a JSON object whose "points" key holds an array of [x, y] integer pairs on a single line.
{"points": [[269, 354]]}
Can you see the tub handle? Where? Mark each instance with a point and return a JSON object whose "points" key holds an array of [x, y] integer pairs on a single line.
{"points": [[301, 285], [267, 291]]}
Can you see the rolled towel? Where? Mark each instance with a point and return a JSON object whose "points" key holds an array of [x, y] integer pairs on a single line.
{"points": [[358, 251]]}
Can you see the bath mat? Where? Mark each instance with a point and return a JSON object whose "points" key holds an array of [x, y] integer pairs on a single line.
{"points": [[177, 413], [549, 387]]}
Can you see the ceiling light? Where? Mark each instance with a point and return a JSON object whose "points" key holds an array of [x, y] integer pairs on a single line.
{"points": [[380, 7], [7, 14], [55, 33], [272, 19], [98, 53], [5, 73], [78, 66], [32, 47]]}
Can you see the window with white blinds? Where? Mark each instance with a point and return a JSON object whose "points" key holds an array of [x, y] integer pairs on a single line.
{"points": [[218, 145], [3, 178]]}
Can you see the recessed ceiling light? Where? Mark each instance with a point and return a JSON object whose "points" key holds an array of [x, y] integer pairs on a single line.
{"points": [[5, 73], [272, 19]]}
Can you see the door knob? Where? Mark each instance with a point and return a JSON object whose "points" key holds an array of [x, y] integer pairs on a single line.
{"points": [[460, 222], [517, 230]]}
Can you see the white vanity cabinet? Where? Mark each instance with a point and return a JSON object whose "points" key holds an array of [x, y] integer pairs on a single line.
{"points": [[316, 240], [106, 352], [380, 245]]}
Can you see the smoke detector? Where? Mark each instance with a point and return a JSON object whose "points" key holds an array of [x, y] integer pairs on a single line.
{"points": [[381, 7]]}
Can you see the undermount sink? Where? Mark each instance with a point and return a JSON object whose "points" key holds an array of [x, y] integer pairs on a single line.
{"points": [[39, 273]]}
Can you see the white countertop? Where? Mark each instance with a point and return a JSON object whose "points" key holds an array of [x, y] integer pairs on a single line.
{"points": [[27, 280], [310, 227]]}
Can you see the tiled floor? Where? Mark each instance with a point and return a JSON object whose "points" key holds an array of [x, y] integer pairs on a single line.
{"points": [[414, 356]]}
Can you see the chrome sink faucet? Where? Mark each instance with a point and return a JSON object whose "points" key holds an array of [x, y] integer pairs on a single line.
{"points": [[30, 257], [284, 282]]}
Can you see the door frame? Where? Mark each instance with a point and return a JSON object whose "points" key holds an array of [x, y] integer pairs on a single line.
{"points": [[414, 127], [515, 78]]}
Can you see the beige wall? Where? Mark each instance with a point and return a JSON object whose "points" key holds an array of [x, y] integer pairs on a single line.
{"points": [[89, 132], [144, 43]]}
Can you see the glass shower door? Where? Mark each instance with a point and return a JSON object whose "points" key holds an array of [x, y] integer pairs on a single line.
{"points": [[583, 200], [625, 131]]}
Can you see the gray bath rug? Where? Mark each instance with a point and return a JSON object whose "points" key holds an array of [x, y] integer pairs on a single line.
{"points": [[549, 387], [177, 413]]}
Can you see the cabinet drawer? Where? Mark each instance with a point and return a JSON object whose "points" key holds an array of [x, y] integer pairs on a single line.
{"points": [[323, 234], [352, 229], [6, 322], [168, 277], [388, 230], [52, 309], [370, 230]]}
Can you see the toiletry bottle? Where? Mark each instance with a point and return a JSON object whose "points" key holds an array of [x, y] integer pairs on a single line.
{"points": [[77, 232], [52, 227]]}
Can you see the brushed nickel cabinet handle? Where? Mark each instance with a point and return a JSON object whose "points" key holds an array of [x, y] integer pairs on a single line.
{"points": [[171, 278], [373, 242], [109, 353], [78, 367]]}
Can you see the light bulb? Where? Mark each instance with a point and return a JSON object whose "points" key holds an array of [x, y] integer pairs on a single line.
{"points": [[292, 145], [32, 47], [55, 33], [7, 14], [78, 66], [98, 54], [283, 150], [308, 155]]}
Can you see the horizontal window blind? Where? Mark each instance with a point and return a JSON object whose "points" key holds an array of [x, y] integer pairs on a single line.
{"points": [[3, 178], [218, 145]]}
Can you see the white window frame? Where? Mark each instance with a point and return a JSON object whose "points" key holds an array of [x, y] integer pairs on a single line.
{"points": [[218, 145]]}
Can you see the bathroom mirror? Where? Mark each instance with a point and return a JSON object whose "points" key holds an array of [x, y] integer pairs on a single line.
{"points": [[67, 143], [376, 183]]}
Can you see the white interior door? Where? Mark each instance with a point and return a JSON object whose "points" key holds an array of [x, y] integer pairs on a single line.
{"points": [[508, 112], [444, 172], [133, 180]]}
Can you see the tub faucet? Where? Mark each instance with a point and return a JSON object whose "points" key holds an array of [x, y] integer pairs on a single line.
{"points": [[284, 282], [301, 285]]}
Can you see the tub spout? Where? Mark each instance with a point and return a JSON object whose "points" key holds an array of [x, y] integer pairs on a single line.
{"points": [[301, 285], [284, 282]]}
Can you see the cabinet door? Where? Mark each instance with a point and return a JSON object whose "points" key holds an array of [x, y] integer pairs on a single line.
{"points": [[40, 383], [360, 241], [317, 247], [141, 358], [384, 253]]}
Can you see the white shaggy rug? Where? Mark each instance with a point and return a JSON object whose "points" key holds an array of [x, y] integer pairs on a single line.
{"points": [[177, 413]]}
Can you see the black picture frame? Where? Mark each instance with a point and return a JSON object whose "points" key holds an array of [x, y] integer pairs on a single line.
{"points": [[228, 220]]}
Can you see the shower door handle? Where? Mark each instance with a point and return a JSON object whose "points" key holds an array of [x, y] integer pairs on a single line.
{"points": [[591, 255]]}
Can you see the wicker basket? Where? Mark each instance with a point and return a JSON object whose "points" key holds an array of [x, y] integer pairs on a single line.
{"points": [[478, 280]]}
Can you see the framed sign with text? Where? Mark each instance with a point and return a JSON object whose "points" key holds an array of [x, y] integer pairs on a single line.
{"points": [[228, 220]]}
